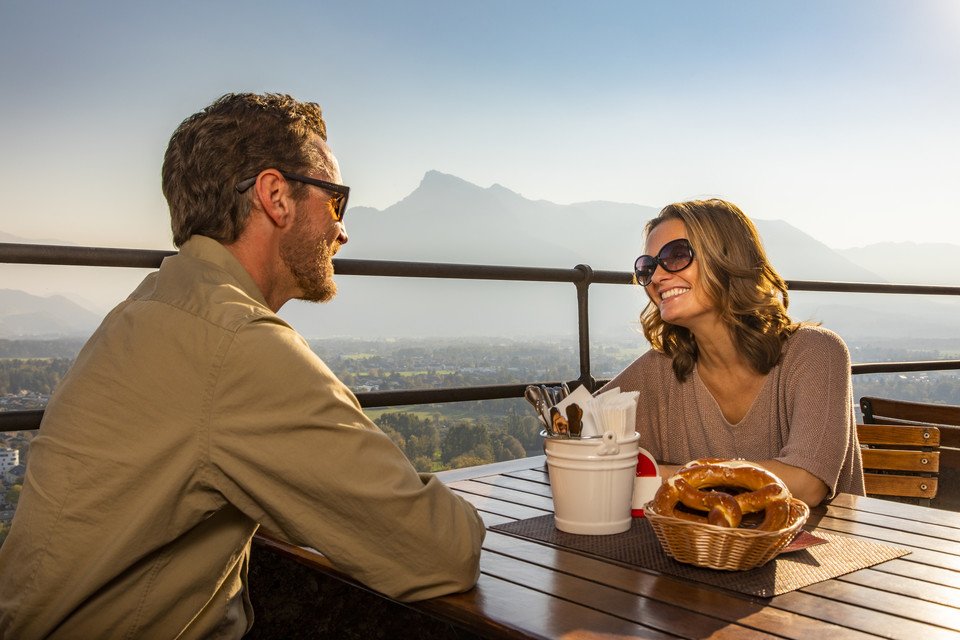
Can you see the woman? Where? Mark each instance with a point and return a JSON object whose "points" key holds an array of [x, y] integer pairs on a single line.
{"points": [[729, 374]]}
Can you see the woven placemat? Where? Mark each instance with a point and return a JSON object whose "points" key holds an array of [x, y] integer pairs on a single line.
{"points": [[639, 547]]}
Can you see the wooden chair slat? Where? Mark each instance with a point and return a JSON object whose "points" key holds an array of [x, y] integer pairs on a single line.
{"points": [[919, 436], [900, 460], [884, 410], [902, 486]]}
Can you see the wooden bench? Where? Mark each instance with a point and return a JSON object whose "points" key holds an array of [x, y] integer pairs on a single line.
{"points": [[900, 460], [914, 417]]}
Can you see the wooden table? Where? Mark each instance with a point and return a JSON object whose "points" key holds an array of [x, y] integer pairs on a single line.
{"points": [[534, 590]]}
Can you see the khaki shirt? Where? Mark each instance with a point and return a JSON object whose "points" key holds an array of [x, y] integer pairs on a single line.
{"points": [[192, 416]]}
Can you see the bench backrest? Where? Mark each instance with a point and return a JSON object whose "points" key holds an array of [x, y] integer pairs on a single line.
{"points": [[900, 460]]}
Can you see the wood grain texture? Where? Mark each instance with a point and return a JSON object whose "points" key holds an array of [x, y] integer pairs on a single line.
{"points": [[529, 589]]}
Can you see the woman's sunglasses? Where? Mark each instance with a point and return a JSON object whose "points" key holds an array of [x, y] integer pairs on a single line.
{"points": [[674, 256]]}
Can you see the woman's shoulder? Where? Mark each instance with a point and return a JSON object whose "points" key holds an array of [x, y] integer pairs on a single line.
{"points": [[817, 340], [651, 362], [811, 334], [653, 359]]}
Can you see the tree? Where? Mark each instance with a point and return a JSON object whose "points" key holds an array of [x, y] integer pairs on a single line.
{"points": [[422, 463], [467, 460], [526, 429], [12, 495], [397, 438], [421, 437], [506, 447], [462, 438]]}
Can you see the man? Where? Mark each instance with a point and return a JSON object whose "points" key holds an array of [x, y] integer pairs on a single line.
{"points": [[194, 415]]}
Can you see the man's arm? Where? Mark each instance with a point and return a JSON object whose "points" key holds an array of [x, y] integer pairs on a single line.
{"points": [[291, 448]]}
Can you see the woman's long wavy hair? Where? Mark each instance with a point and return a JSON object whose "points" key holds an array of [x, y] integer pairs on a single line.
{"points": [[736, 277]]}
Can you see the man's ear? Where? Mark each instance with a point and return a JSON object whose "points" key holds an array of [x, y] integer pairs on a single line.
{"points": [[271, 194]]}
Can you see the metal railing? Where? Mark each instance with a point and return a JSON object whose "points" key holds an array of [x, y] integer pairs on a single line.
{"points": [[581, 276]]}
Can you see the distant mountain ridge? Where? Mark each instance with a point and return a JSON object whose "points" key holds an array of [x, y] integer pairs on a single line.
{"points": [[494, 225], [26, 315], [910, 262], [448, 219]]}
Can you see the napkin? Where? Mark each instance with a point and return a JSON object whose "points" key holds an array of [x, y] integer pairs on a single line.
{"points": [[614, 411]]}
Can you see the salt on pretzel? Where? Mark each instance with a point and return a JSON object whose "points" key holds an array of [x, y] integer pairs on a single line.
{"points": [[690, 486]]}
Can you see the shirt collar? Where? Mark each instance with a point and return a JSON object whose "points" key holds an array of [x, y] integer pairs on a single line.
{"points": [[210, 250]]}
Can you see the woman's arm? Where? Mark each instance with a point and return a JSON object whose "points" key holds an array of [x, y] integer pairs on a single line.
{"points": [[802, 484], [821, 449]]}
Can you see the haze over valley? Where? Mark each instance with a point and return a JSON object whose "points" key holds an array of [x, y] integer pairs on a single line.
{"points": [[447, 219]]}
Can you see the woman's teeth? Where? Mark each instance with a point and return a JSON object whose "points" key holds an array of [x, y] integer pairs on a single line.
{"points": [[670, 293]]}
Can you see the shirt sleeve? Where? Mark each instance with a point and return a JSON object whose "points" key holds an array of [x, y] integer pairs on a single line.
{"points": [[289, 446], [818, 394]]}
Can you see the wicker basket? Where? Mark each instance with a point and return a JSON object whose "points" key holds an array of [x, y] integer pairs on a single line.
{"points": [[707, 545]]}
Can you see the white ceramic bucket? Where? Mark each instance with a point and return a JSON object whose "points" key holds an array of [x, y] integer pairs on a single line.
{"points": [[592, 482]]}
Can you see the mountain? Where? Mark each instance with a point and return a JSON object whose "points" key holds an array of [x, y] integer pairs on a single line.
{"points": [[26, 315], [9, 237], [910, 262], [447, 219]]}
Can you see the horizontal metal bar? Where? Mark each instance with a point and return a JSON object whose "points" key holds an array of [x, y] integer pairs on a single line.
{"points": [[81, 256], [27, 420], [581, 275], [904, 367], [143, 258], [392, 268], [148, 258], [872, 287], [20, 420], [448, 394]]}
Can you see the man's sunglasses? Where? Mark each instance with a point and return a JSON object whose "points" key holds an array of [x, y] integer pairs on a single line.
{"points": [[339, 200], [674, 256]]}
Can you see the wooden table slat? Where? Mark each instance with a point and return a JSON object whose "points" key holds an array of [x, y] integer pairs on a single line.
{"points": [[719, 604], [518, 484], [919, 571], [926, 550], [865, 619], [913, 512], [535, 475], [927, 529], [906, 586], [505, 494], [486, 504], [644, 611], [921, 619]]}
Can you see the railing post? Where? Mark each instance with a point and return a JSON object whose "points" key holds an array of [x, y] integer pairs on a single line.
{"points": [[583, 325]]}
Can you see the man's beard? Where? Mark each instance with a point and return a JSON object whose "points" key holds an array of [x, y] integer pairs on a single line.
{"points": [[310, 260]]}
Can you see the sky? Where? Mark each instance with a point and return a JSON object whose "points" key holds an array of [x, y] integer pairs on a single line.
{"points": [[839, 116]]}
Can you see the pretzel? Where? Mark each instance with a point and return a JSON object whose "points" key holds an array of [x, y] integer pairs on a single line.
{"points": [[690, 486]]}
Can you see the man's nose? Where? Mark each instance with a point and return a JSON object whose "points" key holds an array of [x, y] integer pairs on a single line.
{"points": [[342, 237]]}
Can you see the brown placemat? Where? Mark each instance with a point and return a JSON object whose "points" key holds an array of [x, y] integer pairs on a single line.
{"points": [[639, 547]]}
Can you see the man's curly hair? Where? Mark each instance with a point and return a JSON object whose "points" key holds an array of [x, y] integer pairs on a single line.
{"points": [[234, 138]]}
